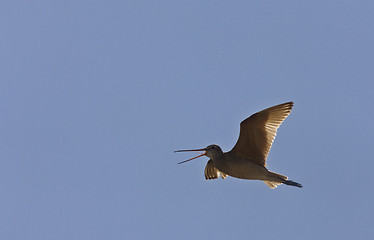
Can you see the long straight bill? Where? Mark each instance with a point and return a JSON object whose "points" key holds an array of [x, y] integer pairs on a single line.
{"points": [[192, 150]]}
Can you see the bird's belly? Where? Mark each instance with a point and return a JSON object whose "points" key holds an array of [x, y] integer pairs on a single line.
{"points": [[243, 169]]}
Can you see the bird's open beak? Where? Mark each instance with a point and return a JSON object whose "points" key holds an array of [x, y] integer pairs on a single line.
{"points": [[192, 150]]}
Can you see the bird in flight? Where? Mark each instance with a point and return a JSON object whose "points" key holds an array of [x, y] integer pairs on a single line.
{"points": [[247, 160]]}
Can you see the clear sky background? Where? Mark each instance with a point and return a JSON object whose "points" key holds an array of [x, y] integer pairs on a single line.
{"points": [[96, 95]]}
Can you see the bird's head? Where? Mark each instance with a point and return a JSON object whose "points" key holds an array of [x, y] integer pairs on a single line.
{"points": [[212, 151]]}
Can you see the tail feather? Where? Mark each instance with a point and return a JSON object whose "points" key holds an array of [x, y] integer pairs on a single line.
{"points": [[276, 179], [272, 185], [292, 183]]}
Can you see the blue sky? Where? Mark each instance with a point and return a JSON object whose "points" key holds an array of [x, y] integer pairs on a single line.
{"points": [[96, 95]]}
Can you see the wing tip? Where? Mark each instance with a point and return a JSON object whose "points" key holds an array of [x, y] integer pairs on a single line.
{"points": [[285, 106], [289, 104]]}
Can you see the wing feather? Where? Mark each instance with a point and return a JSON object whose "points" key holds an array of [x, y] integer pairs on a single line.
{"points": [[257, 133], [211, 172]]}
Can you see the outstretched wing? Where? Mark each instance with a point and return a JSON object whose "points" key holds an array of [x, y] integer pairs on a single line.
{"points": [[257, 133], [211, 172]]}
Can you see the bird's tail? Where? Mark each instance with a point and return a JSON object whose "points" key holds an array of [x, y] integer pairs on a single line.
{"points": [[275, 179], [292, 183]]}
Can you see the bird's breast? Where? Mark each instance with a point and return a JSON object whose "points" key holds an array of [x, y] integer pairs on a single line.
{"points": [[240, 168]]}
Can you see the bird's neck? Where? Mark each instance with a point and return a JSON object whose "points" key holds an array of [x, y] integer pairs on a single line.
{"points": [[220, 161], [218, 157]]}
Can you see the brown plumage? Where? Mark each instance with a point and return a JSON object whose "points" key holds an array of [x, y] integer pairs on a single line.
{"points": [[247, 159]]}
